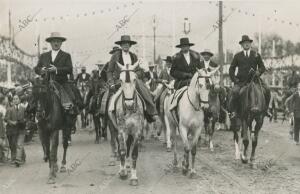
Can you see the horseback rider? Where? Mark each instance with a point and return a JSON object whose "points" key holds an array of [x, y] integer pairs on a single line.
{"points": [[82, 77], [59, 66], [246, 61], [185, 64], [152, 82], [125, 57]]}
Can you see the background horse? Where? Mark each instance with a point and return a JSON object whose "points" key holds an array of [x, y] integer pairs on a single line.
{"points": [[212, 114], [191, 118], [50, 119], [252, 108], [128, 119], [83, 89]]}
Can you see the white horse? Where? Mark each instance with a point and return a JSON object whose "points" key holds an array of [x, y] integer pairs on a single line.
{"points": [[128, 120], [190, 118]]}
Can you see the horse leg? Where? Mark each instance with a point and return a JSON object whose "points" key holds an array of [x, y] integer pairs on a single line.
{"points": [[45, 141], [103, 127], [97, 128], [211, 132], [245, 142], [113, 144], [236, 144], [168, 133], [66, 135], [134, 156], [122, 152], [194, 151], [53, 156], [82, 119], [185, 162], [254, 137], [129, 142]]}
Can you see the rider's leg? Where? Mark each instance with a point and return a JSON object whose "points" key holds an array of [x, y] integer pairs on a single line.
{"points": [[146, 95], [234, 101]]}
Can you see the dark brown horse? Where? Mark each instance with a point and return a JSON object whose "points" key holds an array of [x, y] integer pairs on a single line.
{"points": [[51, 118], [252, 108]]}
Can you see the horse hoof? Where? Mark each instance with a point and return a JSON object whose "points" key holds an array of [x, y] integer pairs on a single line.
{"points": [[45, 159], [212, 149], [193, 175], [184, 171], [254, 166], [123, 175], [133, 182], [169, 149], [51, 180], [112, 163], [244, 160], [97, 141], [63, 169]]}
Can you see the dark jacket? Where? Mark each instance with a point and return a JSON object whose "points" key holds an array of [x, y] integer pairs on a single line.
{"points": [[153, 82], [81, 79], [62, 62], [113, 71], [293, 80], [12, 114], [244, 64], [294, 104], [164, 75], [183, 72]]}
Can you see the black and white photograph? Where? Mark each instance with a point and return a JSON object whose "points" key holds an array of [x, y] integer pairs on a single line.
{"points": [[149, 97]]}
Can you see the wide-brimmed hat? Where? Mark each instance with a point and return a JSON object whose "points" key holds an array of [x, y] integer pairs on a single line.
{"points": [[168, 59], [55, 35], [125, 39], [184, 42], [114, 49], [207, 52], [245, 38]]}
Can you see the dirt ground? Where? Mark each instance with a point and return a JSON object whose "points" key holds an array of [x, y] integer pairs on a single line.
{"points": [[218, 172]]}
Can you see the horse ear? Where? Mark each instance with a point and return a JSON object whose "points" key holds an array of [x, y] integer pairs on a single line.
{"points": [[121, 66], [213, 71]]}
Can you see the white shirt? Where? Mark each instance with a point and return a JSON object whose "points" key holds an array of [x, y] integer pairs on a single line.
{"points": [[54, 54], [83, 75], [126, 58], [187, 57], [206, 64], [247, 52], [151, 75]]}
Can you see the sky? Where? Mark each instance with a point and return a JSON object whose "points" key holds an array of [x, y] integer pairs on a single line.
{"points": [[92, 26]]}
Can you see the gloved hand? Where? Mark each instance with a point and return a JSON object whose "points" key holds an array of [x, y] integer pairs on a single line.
{"points": [[257, 73], [187, 75]]}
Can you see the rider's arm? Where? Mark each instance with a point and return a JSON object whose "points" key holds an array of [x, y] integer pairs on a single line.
{"points": [[260, 64], [39, 65], [111, 68], [232, 68], [174, 72]]}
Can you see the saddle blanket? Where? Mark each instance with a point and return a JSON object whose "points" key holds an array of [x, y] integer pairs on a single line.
{"points": [[176, 97]]}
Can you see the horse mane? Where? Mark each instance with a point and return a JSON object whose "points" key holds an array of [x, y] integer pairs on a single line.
{"points": [[252, 98]]}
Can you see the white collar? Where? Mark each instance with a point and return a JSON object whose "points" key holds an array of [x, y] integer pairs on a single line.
{"points": [[53, 51], [207, 62]]}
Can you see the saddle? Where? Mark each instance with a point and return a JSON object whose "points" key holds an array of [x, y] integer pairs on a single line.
{"points": [[116, 97], [177, 96]]}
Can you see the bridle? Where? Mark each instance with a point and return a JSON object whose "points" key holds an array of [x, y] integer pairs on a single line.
{"points": [[198, 107]]}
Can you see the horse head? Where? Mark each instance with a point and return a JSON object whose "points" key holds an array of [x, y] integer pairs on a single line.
{"points": [[203, 84], [128, 82]]}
